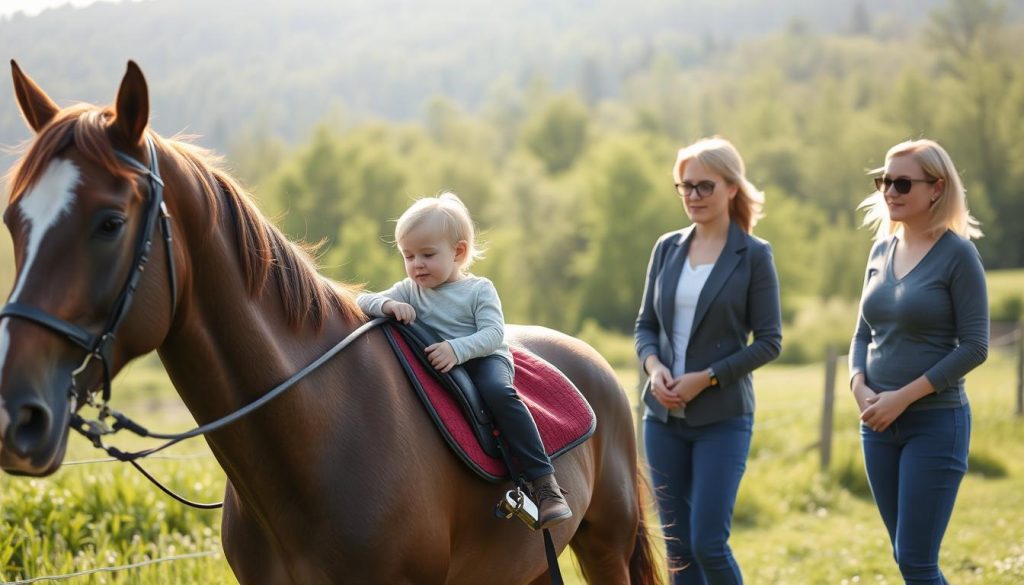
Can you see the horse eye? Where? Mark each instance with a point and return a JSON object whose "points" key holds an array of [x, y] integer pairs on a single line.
{"points": [[111, 226]]}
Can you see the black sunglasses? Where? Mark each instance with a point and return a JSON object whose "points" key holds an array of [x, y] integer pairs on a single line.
{"points": [[703, 188], [903, 185]]}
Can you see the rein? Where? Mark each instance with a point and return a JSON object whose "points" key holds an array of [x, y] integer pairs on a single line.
{"points": [[99, 346], [95, 430]]}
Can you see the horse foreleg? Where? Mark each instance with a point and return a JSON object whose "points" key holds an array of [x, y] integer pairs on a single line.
{"points": [[252, 558]]}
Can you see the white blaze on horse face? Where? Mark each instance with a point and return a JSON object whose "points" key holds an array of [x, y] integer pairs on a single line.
{"points": [[41, 207]]}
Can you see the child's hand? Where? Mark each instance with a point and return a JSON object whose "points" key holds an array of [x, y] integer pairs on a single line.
{"points": [[401, 311], [441, 356]]}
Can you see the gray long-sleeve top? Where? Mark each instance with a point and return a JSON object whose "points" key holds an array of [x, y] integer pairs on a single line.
{"points": [[933, 322], [466, 313]]}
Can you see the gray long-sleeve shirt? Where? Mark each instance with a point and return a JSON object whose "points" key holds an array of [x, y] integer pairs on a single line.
{"points": [[466, 313], [933, 322]]}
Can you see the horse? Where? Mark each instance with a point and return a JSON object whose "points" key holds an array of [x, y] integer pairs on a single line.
{"points": [[344, 479]]}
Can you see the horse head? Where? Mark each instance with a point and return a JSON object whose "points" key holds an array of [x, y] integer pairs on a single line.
{"points": [[79, 204]]}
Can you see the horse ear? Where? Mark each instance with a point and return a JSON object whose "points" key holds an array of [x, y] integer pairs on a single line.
{"points": [[132, 108], [37, 107]]}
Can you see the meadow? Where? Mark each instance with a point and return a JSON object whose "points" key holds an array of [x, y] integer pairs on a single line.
{"points": [[793, 524]]}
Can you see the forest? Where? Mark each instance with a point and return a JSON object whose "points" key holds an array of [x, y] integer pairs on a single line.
{"points": [[561, 138]]}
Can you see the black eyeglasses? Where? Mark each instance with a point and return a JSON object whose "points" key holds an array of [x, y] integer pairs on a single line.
{"points": [[703, 189], [903, 185]]}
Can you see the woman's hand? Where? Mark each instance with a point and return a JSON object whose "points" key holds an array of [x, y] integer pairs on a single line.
{"points": [[861, 393], [403, 312], [882, 409], [661, 382], [441, 356], [690, 385]]}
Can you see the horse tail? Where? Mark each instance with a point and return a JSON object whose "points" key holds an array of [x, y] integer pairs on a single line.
{"points": [[644, 567]]}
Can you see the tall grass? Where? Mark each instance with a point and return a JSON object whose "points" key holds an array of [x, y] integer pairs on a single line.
{"points": [[794, 524]]}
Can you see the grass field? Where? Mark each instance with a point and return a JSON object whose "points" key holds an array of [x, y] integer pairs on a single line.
{"points": [[793, 525]]}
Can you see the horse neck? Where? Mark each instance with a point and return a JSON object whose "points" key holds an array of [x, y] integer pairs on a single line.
{"points": [[228, 348]]}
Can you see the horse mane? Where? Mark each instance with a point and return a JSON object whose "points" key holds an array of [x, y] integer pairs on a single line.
{"points": [[264, 252]]}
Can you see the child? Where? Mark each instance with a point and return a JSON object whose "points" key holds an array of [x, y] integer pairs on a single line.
{"points": [[435, 236]]}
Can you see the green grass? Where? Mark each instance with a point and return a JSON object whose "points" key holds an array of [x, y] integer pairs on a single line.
{"points": [[1004, 283], [793, 524], [1006, 294]]}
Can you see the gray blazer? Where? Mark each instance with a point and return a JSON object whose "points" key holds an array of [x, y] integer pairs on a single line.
{"points": [[741, 296]]}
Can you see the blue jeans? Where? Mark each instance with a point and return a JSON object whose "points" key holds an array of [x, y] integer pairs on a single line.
{"points": [[696, 472], [493, 377], [914, 468]]}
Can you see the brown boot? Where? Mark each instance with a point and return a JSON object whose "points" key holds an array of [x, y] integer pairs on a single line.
{"points": [[551, 505]]}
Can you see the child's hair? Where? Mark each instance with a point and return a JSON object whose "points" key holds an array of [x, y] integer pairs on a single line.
{"points": [[449, 216]]}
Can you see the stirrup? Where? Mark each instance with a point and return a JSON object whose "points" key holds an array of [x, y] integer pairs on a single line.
{"points": [[517, 503]]}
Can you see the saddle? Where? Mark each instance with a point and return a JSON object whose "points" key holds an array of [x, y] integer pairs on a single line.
{"points": [[563, 416]]}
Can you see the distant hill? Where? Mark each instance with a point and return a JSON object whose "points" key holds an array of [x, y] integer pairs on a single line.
{"points": [[215, 67]]}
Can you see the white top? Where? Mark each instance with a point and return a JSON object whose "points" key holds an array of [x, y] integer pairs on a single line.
{"points": [[691, 282]]}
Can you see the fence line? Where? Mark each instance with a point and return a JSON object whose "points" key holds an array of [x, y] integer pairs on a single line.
{"points": [[137, 565], [828, 407], [148, 458], [824, 444]]}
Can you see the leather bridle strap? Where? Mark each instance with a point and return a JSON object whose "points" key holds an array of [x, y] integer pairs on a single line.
{"points": [[99, 346], [74, 333], [94, 430]]}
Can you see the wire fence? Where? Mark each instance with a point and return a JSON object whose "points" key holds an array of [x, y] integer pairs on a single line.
{"points": [[115, 569], [1011, 335], [1014, 338]]}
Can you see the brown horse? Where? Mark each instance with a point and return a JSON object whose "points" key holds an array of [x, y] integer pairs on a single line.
{"points": [[341, 480]]}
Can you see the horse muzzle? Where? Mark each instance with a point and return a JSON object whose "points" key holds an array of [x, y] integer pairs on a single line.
{"points": [[33, 434]]}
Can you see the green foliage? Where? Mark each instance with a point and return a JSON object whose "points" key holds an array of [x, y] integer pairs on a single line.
{"points": [[570, 192], [815, 326], [986, 464], [558, 133], [617, 348], [1008, 308], [626, 196], [1006, 294]]}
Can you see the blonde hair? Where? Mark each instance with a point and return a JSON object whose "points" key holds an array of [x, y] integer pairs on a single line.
{"points": [[449, 216], [720, 156], [950, 208]]}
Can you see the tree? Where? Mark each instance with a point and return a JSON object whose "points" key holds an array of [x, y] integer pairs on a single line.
{"points": [[364, 255], [628, 204], [557, 134], [979, 120]]}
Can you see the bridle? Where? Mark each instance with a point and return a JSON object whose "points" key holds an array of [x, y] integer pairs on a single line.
{"points": [[99, 346]]}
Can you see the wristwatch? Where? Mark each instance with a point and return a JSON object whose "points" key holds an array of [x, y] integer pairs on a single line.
{"points": [[712, 377]]}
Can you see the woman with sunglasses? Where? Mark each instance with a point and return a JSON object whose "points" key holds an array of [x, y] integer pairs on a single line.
{"points": [[923, 326], [709, 286]]}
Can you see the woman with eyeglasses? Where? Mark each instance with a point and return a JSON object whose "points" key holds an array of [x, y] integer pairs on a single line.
{"points": [[923, 326], [709, 286]]}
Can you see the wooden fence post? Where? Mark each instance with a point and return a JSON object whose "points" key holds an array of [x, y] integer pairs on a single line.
{"points": [[827, 411], [638, 416], [1020, 368]]}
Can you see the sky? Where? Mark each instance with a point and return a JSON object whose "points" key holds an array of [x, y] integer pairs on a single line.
{"points": [[33, 7]]}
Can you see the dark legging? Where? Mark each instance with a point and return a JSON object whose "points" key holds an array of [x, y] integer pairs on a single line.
{"points": [[493, 378], [914, 468], [696, 472]]}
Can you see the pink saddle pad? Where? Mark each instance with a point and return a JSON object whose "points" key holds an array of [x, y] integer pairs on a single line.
{"points": [[563, 416]]}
